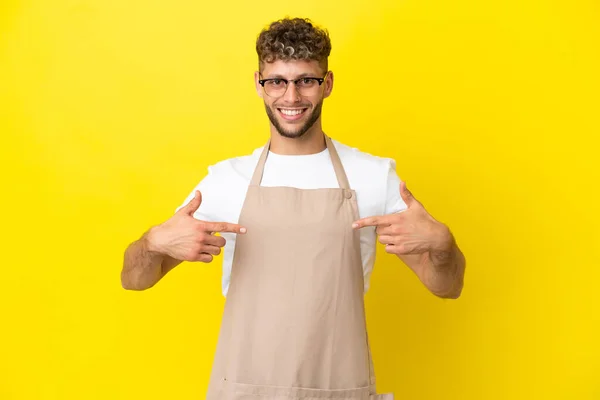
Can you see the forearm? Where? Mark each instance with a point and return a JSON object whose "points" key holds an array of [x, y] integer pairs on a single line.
{"points": [[142, 267], [443, 271]]}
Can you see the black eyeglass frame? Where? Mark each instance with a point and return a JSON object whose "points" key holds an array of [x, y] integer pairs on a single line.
{"points": [[287, 81]]}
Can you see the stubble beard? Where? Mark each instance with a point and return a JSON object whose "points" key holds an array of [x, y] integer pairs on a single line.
{"points": [[314, 116]]}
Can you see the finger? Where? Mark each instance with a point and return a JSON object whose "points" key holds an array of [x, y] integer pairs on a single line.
{"points": [[214, 240], [204, 257], [392, 229], [388, 240], [390, 248], [214, 250], [398, 249], [223, 227], [191, 207], [370, 221], [406, 194], [402, 248]]}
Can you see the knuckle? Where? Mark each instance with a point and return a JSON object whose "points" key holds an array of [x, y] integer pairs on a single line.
{"points": [[190, 255], [202, 236], [383, 230]]}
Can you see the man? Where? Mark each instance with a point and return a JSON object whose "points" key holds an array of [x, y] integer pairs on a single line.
{"points": [[297, 255]]}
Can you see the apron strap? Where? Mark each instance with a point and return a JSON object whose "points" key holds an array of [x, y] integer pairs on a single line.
{"points": [[340, 173], [260, 167]]}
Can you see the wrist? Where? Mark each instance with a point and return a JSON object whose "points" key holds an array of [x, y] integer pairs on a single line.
{"points": [[150, 241], [442, 239]]}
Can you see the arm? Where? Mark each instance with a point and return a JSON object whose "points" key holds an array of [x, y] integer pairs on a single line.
{"points": [[163, 247], [143, 266], [441, 271], [424, 244]]}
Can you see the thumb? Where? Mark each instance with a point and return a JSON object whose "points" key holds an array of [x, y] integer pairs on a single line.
{"points": [[406, 195], [191, 207]]}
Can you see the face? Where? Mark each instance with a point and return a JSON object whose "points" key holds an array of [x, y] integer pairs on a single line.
{"points": [[293, 114]]}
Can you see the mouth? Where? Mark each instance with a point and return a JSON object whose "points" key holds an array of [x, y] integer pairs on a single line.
{"points": [[291, 114]]}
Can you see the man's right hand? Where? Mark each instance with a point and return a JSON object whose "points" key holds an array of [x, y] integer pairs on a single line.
{"points": [[185, 238]]}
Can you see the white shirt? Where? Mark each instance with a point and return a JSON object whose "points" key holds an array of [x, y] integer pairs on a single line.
{"points": [[373, 178]]}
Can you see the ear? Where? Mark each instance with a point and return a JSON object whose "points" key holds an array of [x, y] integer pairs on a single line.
{"points": [[328, 84], [259, 89]]}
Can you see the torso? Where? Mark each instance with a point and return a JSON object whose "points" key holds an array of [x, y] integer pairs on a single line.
{"points": [[373, 178]]}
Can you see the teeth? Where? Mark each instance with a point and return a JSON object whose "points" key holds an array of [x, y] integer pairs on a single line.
{"points": [[290, 113]]}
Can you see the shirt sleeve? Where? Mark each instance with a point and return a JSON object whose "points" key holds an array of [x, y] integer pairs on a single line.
{"points": [[393, 202], [207, 210]]}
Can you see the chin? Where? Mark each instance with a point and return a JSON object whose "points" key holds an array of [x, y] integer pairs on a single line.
{"points": [[295, 129], [291, 135]]}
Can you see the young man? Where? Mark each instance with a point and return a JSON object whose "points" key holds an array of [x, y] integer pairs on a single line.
{"points": [[298, 257]]}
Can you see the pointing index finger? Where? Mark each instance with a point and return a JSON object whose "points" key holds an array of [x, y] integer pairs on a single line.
{"points": [[224, 227], [369, 221]]}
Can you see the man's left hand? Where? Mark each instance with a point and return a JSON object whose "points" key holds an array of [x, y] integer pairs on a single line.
{"points": [[411, 231]]}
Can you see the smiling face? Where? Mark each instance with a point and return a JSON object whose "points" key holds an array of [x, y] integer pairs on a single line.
{"points": [[293, 113]]}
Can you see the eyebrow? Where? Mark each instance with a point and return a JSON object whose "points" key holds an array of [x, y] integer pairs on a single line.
{"points": [[304, 75]]}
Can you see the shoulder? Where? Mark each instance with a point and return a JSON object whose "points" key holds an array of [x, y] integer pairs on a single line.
{"points": [[236, 168], [224, 186], [354, 159]]}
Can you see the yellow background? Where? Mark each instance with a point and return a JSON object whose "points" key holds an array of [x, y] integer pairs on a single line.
{"points": [[110, 112]]}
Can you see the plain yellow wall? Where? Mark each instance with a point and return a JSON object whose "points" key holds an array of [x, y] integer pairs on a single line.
{"points": [[111, 111]]}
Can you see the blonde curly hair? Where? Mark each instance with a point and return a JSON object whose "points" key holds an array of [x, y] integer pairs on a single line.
{"points": [[293, 39]]}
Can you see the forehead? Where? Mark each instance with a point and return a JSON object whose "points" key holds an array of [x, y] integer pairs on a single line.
{"points": [[292, 68]]}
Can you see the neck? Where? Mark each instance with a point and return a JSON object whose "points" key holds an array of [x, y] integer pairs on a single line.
{"points": [[312, 142]]}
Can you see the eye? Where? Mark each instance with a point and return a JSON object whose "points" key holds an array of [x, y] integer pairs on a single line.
{"points": [[275, 82], [306, 82]]}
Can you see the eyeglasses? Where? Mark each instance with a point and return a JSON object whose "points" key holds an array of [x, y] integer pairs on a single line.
{"points": [[307, 86]]}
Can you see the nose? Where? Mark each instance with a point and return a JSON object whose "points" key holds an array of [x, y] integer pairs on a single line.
{"points": [[291, 94]]}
